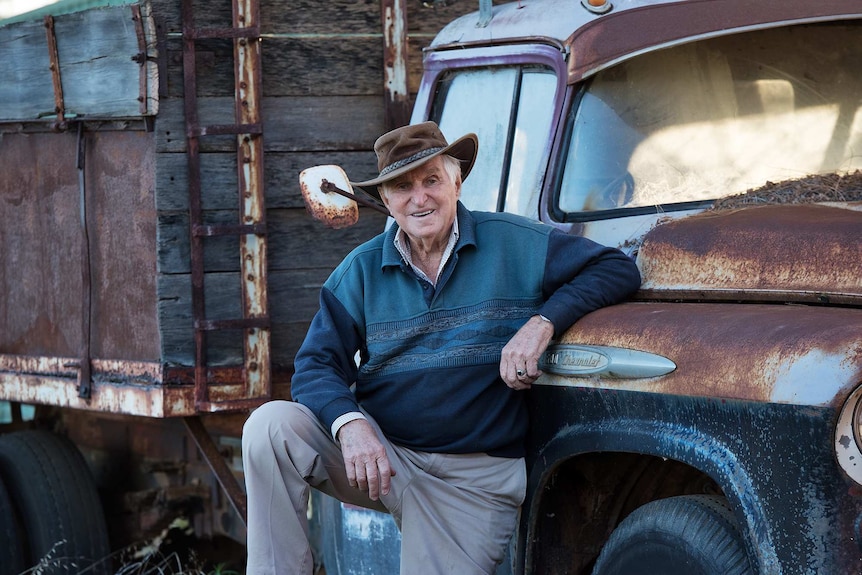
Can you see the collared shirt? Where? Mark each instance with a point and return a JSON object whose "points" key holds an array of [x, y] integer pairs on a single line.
{"points": [[402, 243]]}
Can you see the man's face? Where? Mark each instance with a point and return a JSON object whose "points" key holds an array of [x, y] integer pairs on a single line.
{"points": [[424, 203]]}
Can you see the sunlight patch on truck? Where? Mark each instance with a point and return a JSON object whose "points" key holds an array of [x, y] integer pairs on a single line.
{"points": [[814, 378]]}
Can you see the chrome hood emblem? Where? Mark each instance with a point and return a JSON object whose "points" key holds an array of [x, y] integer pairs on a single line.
{"points": [[603, 361]]}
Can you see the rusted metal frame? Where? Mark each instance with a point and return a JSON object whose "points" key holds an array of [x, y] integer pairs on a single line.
{"points": [[116, 369], [396, 99], [178, 375], [110, 396], [362, 198], [54, 58], [125, 387], [708, 295], [127, 372], [252, 208], [195, 204], [219, 466], [248, 128], [141, 58], [85, 387]]}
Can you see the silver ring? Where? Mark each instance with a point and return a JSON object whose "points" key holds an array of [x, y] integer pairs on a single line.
{"points": [[521, 372]]}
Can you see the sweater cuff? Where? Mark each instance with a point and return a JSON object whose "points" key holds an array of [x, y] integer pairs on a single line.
{"points": [[335, 409], [344, 419], [547, 313]]}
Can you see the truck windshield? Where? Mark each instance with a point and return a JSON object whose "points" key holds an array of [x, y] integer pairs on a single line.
{"points": [[510, 108], [715, 118]]}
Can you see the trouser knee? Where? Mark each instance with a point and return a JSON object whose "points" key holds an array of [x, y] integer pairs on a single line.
{"points": [[275, 421]]}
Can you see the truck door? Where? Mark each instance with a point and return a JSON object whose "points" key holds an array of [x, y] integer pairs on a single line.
{"points": [[511, 98]]}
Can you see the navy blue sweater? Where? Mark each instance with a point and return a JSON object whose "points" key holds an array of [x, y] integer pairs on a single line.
{"points": [[429, 357]]}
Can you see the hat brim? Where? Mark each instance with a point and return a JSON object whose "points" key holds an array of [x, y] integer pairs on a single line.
{"points": [[464, 149]]}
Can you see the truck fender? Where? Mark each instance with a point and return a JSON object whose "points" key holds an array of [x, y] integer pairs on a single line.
{"points": [[690, 446]]}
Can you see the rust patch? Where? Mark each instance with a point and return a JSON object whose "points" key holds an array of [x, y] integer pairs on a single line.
{"points": [[396, 98], [774, 248], [127, 387], [253, 248], [334, 210], [804, 355]]}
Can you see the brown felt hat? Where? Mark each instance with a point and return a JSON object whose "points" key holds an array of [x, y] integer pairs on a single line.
{"points": [[406, 148]]}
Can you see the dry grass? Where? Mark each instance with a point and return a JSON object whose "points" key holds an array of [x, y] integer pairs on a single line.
{"points": [[810, 189], [175, 551]]}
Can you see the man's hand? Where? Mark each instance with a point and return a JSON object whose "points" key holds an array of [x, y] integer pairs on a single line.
{"points": [[365, 458], [519, 362]]}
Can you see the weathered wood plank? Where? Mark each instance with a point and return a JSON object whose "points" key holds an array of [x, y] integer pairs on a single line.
{"points": [[310, 17], [295, 124], [294, 296], [26, 91], [296, 241], [225, 348], [291, 67], [219, 172], [95, 50], [324, 49], [293, 302], [296, 67], [41, 239]]}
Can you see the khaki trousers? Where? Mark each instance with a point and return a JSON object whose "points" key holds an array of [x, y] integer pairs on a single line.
{"points": [[456, 513]]}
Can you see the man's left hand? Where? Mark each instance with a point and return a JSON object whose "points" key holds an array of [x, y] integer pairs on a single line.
{"points": [[519, 363]]}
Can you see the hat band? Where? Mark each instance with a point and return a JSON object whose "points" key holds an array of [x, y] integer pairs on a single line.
{"points": [[400, 163]]}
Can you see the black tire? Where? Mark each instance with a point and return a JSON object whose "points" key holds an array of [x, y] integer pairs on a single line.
{"points": [[56, 499], [685, 535], [11, 538]]}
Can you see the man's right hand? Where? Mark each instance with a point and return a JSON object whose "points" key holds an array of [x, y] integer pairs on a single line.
{"points": [[365, 458]]}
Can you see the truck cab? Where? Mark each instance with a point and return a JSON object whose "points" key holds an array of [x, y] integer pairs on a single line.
{"points": [[711, 424]]}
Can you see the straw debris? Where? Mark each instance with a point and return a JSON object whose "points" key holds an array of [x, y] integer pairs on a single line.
{"points": [[809, 189]]}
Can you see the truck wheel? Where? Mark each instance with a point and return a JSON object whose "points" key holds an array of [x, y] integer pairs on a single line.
{"points": [[53, 492], [11, 539], [685, 535]]}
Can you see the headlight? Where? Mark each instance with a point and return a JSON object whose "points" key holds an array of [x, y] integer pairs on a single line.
{"points": [[848, 436]]}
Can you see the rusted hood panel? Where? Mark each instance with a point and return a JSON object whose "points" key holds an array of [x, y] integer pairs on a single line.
{"points": [[789, 252], [802, 355]]}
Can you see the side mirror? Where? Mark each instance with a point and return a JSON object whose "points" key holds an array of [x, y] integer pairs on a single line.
{"points": [[330, 198]]}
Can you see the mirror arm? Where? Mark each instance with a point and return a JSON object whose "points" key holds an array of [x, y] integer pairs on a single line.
{"points": [[368, 201]]}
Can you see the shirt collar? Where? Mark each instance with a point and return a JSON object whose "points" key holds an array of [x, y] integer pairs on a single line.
{"points": [[403, 247], [466, 230]]}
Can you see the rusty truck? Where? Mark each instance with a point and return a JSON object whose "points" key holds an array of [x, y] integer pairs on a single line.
{"points": [[157, 268], [711, 424], [157, 273]]}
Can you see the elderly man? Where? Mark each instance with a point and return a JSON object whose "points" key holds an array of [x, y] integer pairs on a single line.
{"points": [[449, 311]]}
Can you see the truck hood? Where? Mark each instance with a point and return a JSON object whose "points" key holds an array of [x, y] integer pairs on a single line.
{"points": [[802, 355], [795, 253]]}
